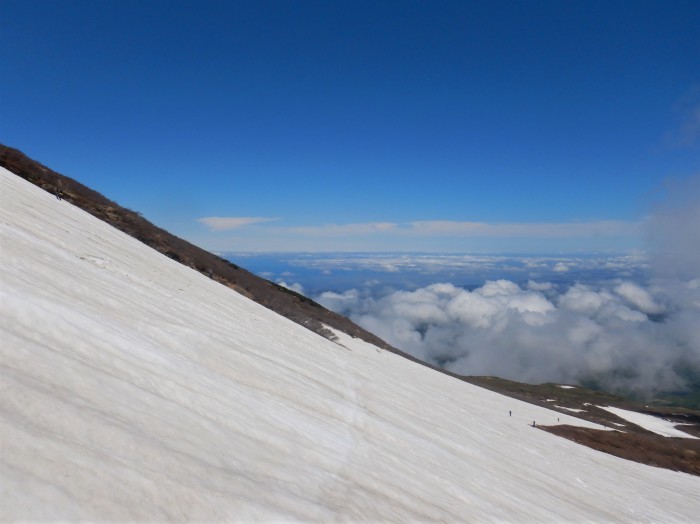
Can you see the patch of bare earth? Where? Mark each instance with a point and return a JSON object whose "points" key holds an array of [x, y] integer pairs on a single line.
{"points": [[677, 454], [630, 442]]}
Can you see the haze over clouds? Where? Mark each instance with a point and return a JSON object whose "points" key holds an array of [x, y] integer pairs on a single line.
{"points": [[537, 230], [622, 334], [426, 235], [411, 270], [674, 233]]}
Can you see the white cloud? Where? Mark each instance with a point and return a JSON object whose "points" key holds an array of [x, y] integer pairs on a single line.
{"points": [[228, 223], [620, 333], [584, 300], [639, 298], [586, 332], [296, 287], [539, 286], [345, 303]]}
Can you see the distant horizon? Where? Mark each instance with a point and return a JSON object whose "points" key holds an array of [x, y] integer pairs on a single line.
{"points": [[313, 273], [454, 253]]}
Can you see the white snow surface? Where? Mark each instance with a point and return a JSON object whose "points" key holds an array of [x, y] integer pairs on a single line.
{"points": [[134, 388], [573, 410], [649, 422]]}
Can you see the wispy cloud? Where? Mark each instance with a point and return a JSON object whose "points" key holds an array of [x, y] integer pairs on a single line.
{"points": [[427, 236], [542, 230], [443, 228], [228, 223]]}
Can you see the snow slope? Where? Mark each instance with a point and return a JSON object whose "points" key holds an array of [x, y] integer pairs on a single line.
{"points": [[134, 388], [656, 425]]}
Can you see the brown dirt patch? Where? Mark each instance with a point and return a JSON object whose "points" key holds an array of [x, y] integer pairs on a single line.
{"points": [[677, 454]]}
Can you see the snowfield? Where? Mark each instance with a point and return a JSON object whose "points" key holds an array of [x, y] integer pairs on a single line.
{"points": [[134, 388], [573, 410], [666, 428]]}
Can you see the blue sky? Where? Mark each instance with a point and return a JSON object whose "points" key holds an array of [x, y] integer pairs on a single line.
{"points": [[363, 126]]}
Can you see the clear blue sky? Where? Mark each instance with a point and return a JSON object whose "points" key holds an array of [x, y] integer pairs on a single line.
{"points": [[462, 126]]}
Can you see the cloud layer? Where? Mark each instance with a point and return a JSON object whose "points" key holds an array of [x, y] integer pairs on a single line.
{"points": [[412, 270], [622, 335], [619, 333]]}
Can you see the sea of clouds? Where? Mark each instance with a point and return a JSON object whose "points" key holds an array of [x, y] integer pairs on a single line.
{"points": [[620, 335], [623, 334]]}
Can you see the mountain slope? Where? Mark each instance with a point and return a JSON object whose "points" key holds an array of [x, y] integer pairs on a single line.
{"points": [[137, 388], [678, 456], [288, 303]]}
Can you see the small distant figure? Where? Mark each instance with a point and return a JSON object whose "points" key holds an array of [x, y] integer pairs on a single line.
{"points": [[557, 419], [533, 424], [211, 273], [57, 192], [510, 413]]}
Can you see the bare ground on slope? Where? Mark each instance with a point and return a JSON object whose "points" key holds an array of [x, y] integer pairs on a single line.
{"points": [[677, 454], [628, 441]]}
